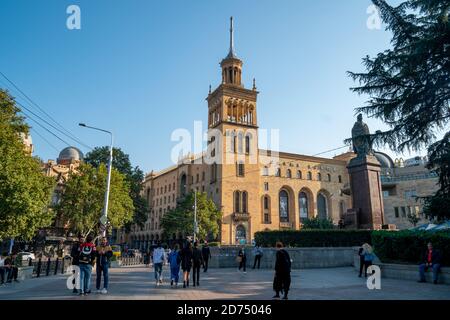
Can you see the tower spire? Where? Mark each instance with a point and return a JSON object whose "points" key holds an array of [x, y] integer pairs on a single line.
{"points": [[231, 37]]}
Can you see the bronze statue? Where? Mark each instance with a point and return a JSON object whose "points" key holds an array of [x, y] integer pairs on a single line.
{"points": [[361, 138]]}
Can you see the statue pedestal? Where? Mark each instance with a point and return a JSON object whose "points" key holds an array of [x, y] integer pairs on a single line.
{"points": [[366, 190]]}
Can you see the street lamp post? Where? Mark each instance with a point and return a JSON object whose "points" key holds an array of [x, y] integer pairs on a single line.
{"points": [[104, 217]]}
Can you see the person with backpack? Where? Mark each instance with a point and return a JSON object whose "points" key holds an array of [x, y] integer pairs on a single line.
{"points": [[86, 262], [159, 256], [206, 254], [104, 254], [174, 262], [186, 262], [197, 262], [75, 255], [282, 278], [257, 251]]}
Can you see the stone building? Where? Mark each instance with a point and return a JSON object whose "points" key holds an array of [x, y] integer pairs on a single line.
{"points": [[255, 189], [69, 160], [402, 182]]}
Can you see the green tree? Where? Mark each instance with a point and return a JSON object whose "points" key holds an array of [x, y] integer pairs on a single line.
{"points": [[413, 218], [25, 192], [409, 87], [181, 218], [134, 176], [82, 199]]}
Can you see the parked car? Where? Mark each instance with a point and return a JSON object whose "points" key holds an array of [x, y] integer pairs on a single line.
{"points": [[117, 251], [26, 256]]}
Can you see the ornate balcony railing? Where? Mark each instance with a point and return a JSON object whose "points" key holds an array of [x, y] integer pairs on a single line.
{"points": [[241, 216]]}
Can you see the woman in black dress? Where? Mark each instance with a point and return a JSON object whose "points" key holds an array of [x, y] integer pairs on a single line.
{"points": [[186, 263]]}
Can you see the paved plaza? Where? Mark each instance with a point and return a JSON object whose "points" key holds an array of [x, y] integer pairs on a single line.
{"points": [[137, 283]]}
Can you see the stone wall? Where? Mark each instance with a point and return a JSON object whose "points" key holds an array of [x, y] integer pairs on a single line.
{"points": [[225, 257]]}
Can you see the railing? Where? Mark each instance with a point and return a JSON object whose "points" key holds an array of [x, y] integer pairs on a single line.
{"points": [[48, 266], [131, 261]]}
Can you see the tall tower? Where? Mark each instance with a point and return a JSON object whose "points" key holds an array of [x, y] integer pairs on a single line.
{"points": [[233, 139]]}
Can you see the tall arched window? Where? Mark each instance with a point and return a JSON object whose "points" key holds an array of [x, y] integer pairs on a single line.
{"points": [[322, 210], [284, 206], [340, 179], [288, 173], [240, 143], [244, 201], [266, 209], [319, 177], [248, 139], [303, 205], [214, 172], [329, 177], [183, 184], [278, 172], [241, 235], [265, 171], [299, 174], [237, 201], [309, 175]]}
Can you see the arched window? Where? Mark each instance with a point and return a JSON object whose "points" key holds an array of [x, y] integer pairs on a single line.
{"points": [[309, 175], [237, 201], [183, 184], [288, 173], [284, 206], [340, 179], [303, 205], [265, 171], [240, 143], [214, 172], [319, 177], [341, 208], [329, 177], [299, 174], [241, 235], [232, 141], [322, 210], [278, 172], [248, 139], [244, 201], [266, 209]]}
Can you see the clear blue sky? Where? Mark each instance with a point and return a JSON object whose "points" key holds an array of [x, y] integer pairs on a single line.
{"points": [[142, 68]]}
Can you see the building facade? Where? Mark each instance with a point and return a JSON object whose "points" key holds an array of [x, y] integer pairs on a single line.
{"points": [[255, 189], [403, 184]]}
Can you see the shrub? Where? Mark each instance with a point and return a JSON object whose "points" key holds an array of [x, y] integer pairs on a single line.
{"points": [[317, 223], [408, 246], [314, 238]]}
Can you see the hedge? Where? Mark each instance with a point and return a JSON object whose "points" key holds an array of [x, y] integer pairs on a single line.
{"points": [[314, 238], [408, 246]]}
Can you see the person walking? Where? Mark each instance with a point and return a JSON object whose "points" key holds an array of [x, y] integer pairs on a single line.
{"points": [[104, 254], [361, 260], [368, 257], [12, 263], [75, 255], [86, 262], [282, 278], [257, 251], [206, 254], [159, 256], [3, 270], [186, 263], [197, 262], [242, 259], [174, 262]]}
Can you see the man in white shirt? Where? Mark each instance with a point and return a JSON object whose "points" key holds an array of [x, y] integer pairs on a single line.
{"points": [[159, 256]]}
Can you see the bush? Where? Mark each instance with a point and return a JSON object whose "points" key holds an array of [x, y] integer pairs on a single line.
{"points": [[314, 238], [408, 246], [317, 223]]}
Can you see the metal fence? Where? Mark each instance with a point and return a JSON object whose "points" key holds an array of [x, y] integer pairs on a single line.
{"points": [[47, 266], [131, 261]]}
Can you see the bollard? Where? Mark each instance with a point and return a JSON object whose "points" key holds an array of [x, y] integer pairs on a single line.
{"points": [[39, 265], [56, 265], [48, 267]]}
